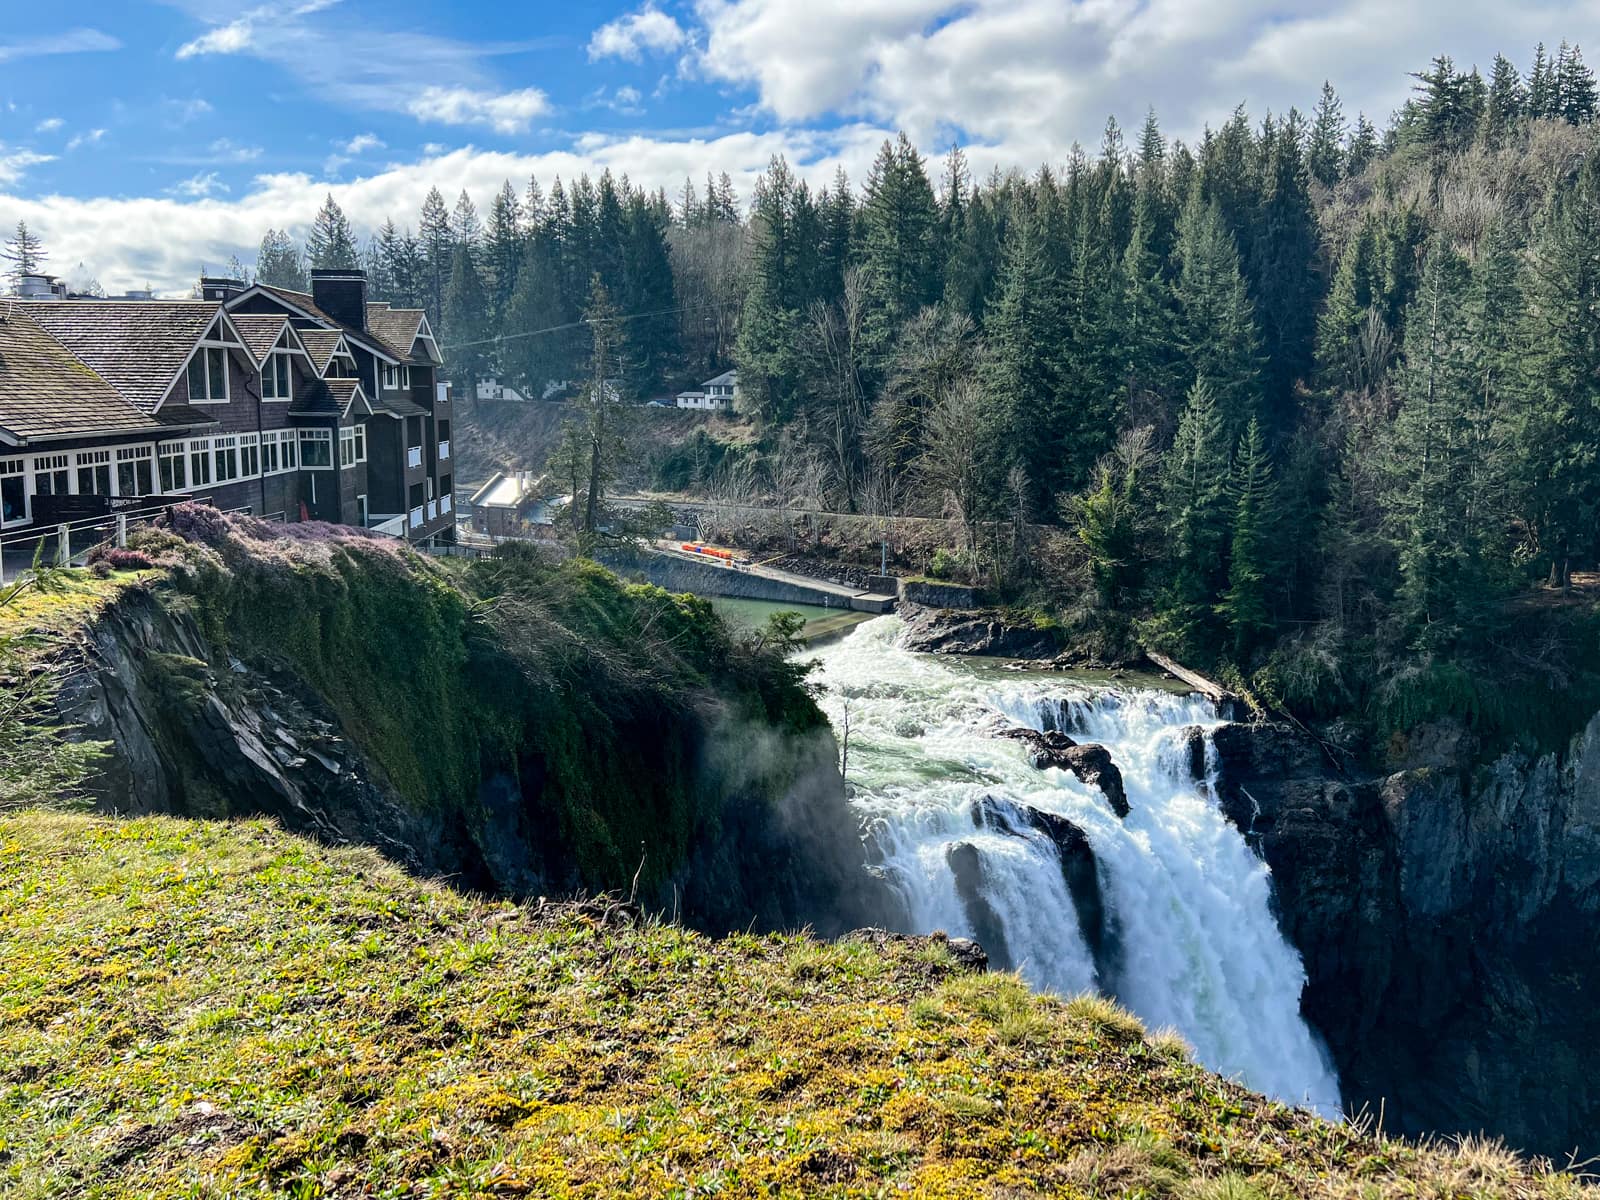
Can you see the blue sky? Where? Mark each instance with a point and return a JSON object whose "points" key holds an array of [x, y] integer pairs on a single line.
{"points": [[146, 138]]}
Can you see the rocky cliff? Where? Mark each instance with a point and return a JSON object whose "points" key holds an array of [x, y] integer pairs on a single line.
{"points": [[513, 748], [1449, 918]]}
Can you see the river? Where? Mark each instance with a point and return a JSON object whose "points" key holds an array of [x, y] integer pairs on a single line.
{"points": [[1185, 935]]}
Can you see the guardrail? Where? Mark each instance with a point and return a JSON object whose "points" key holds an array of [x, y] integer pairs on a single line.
{"points": [[413, 456], [69, 543], [444, 450]]}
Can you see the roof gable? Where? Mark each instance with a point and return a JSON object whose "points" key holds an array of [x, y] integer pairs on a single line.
{"points": [[302, 305], [139, 347]]}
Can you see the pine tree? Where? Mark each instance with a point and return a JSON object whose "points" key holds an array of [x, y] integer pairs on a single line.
{"points": [[1195, 514], [1021, 369], [1506, 102], [1558, 423], [1575, 88], [1217, 330], [24, 252], [533, 349], [384, 264], [503, 250], [278, 263], [1325, 156], [1364, 147], [651, 335], [1544, 95], [1251, 565], [1285, 284], [767, 350], [466, 321], [898, 221], [438, 254], [331, 244]]}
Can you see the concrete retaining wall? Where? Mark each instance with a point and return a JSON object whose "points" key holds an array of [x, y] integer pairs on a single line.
{"points": [[930, 593], [705, 579]]}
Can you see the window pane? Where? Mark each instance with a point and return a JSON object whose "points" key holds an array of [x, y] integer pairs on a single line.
{"points": [[219, 366], [13, 498], [126, 484], [197, 377]]}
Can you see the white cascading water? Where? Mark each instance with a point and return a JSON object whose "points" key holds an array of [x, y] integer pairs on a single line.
{"points": [[1189, 904]]}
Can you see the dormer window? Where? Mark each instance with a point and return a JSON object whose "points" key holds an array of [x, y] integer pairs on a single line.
{"points": [[208, 376], [277, 380]]}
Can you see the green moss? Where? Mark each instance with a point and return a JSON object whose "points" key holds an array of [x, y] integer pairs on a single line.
{"points": [[197, 1009]]}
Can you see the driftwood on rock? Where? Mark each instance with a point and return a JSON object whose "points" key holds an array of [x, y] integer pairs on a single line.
{"points": [[1208, 688]]}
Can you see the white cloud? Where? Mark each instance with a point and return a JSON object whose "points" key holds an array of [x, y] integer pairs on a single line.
{"points": [[75, 41], [182, 112], [228, 151], [89, 137], [15, 163], [630, 36], [363, 142], [49, 125], [504, 112], [164, 239], [224, 39], [205, 184], [1029, 77]]}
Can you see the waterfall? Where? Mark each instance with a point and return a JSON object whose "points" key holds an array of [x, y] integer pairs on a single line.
{"points": [[971, 836]]}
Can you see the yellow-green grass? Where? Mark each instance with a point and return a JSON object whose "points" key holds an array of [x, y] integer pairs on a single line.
{"points": [[203, 1009]]}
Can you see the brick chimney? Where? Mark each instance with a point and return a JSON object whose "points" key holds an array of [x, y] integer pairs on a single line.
{"points": [[342, 294]]}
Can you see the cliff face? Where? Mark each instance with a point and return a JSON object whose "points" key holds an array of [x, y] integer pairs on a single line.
{"points": [[731, 821], [1449, 918]]}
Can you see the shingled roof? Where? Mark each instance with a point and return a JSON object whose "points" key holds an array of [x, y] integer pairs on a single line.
{"points": [[45, 392], [260, 331], [304, 302], [397, 328], [320, 345], [138, 347]]}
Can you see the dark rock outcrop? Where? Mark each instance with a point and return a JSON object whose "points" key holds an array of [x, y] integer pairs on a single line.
{"points": [[949, 631], [1091, 763], [1449, 919], [1078, 867], [966, 864]]}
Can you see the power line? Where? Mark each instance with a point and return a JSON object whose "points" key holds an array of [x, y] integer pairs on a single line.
{"points": [[660, 312]]}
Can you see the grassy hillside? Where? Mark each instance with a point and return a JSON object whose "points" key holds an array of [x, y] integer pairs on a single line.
{"points": [[206, 1009]]}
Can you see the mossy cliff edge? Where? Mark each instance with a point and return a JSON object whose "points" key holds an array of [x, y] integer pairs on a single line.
{"points": [[520, 726]]}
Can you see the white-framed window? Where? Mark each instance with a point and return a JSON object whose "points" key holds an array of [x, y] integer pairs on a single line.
{"points": [[51, 475], [361, 443], [208, 376], [226, 449], [391, 377], [94, 472], [316, 448], [288, 443], [13, 491], [174, 467], [277, 379], [136, 471], [405, 377], [347, 447], [269, 454], [200, 462], [249, 455]]}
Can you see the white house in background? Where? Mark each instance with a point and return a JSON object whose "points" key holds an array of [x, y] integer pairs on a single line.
{"points": [[714, 395], [493, 389]]}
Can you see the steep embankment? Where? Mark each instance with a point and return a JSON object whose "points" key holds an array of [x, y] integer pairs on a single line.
{"points": [[1449, 919], [517, 726], [200, 1009]]}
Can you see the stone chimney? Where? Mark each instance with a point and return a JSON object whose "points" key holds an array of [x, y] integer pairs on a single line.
{"points": [[342, 294]]}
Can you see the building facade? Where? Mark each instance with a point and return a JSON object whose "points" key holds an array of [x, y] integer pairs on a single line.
{"points": [[715, 395], [292, 406]]}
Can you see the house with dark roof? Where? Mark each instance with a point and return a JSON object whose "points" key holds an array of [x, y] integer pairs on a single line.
{"points": [[714, 395], [290, 406], [404, 410]]}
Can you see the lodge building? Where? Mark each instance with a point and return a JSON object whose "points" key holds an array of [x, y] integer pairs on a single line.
{"points": [[294, 406]]}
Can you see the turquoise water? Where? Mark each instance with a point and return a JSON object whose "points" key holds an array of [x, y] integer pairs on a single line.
{"points": [[755, 613]]}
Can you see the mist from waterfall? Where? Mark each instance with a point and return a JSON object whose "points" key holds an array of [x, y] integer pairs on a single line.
{"points": [[1190, 940]]}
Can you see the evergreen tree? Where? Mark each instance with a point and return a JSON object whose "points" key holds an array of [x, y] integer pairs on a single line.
{"points": [[1364, 147], [1195, 513], [438, 254], [1544, 95], [1285, 286], [598, 403], [1325, 156], [279, 264], [1506, 102], [767, 349], [503, 250], [331, 244], [24, 252], [1558, 425], [1251, 565], [1575, 87], [1217, 331], [466, 321], [899, 219], [384, 264], [650, 336], [534, 350]]}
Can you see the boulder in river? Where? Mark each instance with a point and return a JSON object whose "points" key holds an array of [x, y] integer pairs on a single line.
{"points": [[966, 863], [1091, 762], [1078, 866]]}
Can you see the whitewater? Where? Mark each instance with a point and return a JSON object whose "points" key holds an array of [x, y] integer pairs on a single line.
{"points": [[1193, 944]]}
